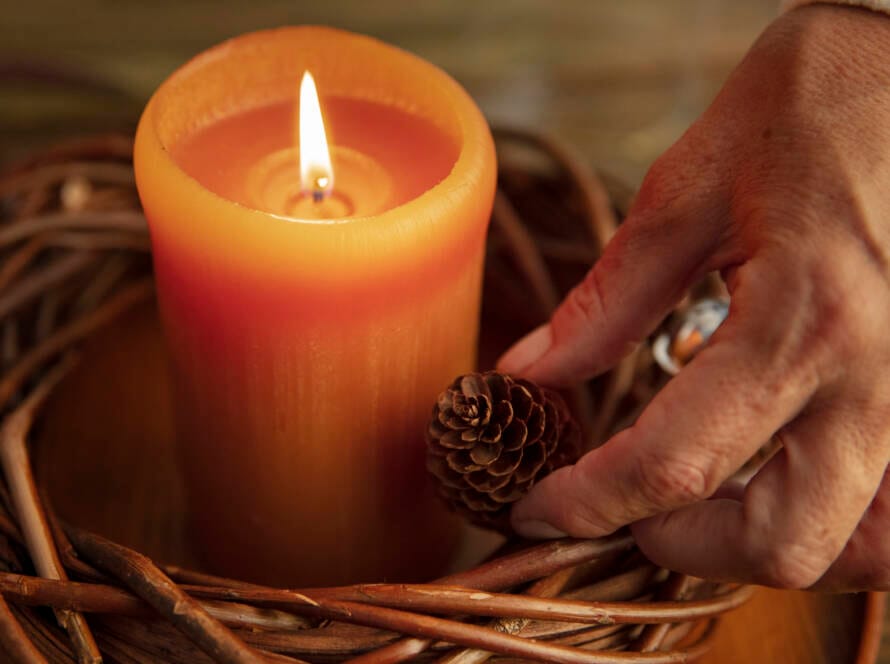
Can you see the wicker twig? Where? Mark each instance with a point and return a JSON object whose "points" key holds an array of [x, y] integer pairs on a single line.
{"points": [[675, 588], [536, 561], [592, 193], [97, 148], [66, 552], [36, 531], [528, 256], [565, 251], [473, 636], [71, 595], [108, 221], [34, 285], [15, 640], [549, 586], [99, 241], [18, 261], [99, 598], [80, 328], [618, 382], [8, 528], [632, 584], [45, 176], [45, 636], [141, 575], [430, 598]]}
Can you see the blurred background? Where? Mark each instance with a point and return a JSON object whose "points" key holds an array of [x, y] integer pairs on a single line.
{"points": [[619, 80]]}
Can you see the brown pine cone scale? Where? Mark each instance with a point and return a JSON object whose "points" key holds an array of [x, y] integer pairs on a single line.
{"points": [[491, 438]]}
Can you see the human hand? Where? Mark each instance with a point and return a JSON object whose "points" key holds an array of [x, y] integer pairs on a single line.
{"points": [[783, 185]]}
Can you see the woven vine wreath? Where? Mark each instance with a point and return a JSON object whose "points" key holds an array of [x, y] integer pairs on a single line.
{"points": [[75, 256]]}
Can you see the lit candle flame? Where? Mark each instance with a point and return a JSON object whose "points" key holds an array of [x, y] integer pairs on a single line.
{"points": [[316, 173]]}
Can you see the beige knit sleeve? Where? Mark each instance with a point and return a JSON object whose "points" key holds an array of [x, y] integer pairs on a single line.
{"points": [[876, 5]]}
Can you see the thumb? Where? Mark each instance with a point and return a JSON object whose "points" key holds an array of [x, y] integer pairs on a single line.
{"points": [[655, 256]]}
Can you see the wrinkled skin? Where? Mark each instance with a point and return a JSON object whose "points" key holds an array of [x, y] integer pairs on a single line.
{"points": [[783, 185]]}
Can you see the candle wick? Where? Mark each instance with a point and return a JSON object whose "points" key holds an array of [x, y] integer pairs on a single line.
{"points": [[320, 189]]}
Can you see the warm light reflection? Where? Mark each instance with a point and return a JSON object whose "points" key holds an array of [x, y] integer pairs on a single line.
{"points": [[316, 173]]}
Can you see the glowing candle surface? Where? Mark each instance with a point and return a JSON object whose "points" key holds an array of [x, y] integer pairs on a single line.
{"points": [[312, 321], [392, 157]]}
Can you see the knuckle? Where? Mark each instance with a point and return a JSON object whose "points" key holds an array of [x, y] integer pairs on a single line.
{"points": [[668, 185], [842, 328], [584, 518], [828, 327], [846, 337], [789, 567], [585, 521], [666, 481], [587, 300]]}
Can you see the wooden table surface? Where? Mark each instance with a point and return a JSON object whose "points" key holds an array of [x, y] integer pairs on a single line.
{"points": [[618, 80]]}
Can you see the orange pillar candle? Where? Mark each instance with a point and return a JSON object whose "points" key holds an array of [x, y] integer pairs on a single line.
{"points": [[310, 336]]}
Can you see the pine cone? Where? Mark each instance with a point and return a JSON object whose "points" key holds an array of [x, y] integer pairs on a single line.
{"points": [[491, 438]]}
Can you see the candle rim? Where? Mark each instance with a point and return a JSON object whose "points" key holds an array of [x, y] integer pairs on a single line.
{"points": [[474, 139]]}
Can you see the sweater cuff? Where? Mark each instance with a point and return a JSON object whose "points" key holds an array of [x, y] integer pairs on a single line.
{"points": [[882, 6]]}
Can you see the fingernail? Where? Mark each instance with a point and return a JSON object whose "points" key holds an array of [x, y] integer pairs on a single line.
{"points": [[537, 530], [527, 350]]}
